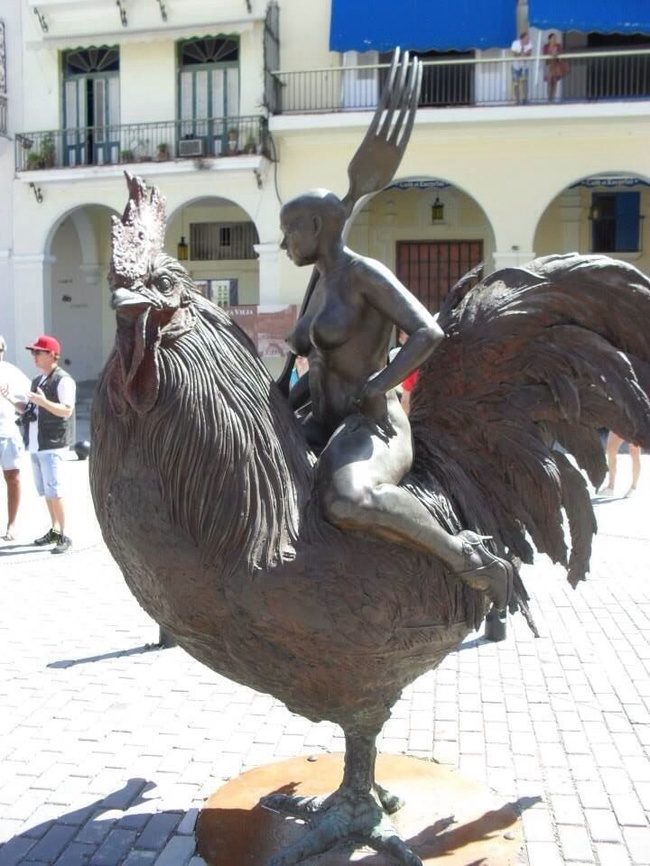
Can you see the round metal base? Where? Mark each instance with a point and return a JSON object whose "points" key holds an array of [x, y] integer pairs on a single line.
{"points": [[446, 818]]}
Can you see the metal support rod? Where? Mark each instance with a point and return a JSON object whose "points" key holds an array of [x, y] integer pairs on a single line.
{"points": [[41, 20], [123, 18]]}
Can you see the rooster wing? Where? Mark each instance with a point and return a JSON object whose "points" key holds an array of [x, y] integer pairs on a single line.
{"points": [[536, 360]]}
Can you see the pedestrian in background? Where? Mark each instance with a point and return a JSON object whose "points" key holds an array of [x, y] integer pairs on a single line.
{"points": [[12, 382], [47, 432], [614, 443]]}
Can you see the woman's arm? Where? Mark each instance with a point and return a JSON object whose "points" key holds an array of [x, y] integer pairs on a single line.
{"points": [[389, 296]]}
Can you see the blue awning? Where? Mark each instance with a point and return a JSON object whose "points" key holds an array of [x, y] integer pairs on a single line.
{"points": [[591, 16], [421, 25]]}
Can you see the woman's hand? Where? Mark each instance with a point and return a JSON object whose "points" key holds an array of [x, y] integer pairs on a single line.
{"points": [[373, 404]]}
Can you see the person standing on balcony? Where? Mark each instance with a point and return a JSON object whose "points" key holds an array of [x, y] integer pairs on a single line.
{"points": [[521, 50], [555, 68]]}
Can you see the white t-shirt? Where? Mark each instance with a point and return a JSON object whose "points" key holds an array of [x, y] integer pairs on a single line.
{"points": [[66, 391], [18, 385], [522, 52]]}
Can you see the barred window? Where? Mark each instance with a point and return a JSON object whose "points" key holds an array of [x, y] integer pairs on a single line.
{"points": [[219, 241]]}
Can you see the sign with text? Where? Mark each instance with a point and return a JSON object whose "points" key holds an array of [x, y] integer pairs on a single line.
{"points": [[267, 327]]}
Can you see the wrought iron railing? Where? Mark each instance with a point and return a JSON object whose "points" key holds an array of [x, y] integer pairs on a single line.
{"points": [[3, 115], [590, 76], [141, 142]]}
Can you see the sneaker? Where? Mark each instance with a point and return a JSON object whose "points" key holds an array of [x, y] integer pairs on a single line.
{"points": [[63, 544], [50, 537]]}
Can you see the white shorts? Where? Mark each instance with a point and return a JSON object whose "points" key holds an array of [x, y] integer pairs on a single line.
{"points": [[47, 473], [11, 451]]}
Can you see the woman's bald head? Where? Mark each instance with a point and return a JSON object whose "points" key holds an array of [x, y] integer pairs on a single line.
{"points": [[319, 203]]}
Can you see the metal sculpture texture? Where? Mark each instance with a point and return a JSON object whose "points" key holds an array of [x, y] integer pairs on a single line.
{"points": [[208, 496]]}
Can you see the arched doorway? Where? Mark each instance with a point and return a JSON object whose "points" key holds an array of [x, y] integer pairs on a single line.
{"points": [[601, 213], [77, 311], [429, 232], [215, 239]]}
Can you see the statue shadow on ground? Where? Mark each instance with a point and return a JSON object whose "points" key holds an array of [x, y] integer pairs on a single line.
{"points": [[94, 833], [252, 835], [115, 654], [472, 644]]}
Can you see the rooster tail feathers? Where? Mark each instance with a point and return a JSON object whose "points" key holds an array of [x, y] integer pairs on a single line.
{"points": [[537, 360]]}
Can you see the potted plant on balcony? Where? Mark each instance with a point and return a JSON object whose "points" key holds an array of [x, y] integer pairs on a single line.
{"points": [[48, 151], [162, 151], [233, 139], [251, 144], [33, 161]]}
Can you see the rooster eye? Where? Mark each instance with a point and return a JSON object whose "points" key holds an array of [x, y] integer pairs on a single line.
{"points": [[164, 284]]}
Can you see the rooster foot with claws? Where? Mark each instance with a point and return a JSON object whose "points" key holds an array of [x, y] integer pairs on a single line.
{"points": [[345, 816]]}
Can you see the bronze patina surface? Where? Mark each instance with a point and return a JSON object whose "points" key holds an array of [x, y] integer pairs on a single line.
{"points": [[446, 817], [333, 581]]}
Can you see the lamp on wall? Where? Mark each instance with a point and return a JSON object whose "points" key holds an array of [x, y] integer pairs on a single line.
{"points": [[594, 211], [182, 250], [437, 211]]}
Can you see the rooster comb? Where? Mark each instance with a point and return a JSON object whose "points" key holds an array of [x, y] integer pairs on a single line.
{"points": [[138, 237]]}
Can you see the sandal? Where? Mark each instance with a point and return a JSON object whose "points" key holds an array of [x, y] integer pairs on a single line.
{"points": [[494, 576]]}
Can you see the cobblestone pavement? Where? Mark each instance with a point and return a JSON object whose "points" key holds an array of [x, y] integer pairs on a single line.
{"points": [[109, 744]]}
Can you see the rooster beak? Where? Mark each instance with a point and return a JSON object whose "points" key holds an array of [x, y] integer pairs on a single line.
{"points": [[127, 299]]}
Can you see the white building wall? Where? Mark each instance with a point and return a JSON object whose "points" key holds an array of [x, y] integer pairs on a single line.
{"points": [[508, 168]]}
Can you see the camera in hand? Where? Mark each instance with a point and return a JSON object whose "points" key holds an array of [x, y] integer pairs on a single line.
{"points": [[27, 416]]}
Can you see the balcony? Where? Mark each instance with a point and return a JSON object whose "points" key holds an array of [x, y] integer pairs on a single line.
{"points": [[592, 76], [142, 142]]}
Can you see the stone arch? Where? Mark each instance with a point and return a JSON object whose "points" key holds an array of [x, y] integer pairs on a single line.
{"points": [[398, 223], [242, 273], [75, 291], [565, 224]]}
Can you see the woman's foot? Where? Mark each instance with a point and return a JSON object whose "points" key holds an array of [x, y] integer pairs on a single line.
{"points": [[485, 571]]}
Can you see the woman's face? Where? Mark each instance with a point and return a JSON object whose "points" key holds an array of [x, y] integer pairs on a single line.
{"points": [[299, 237]]}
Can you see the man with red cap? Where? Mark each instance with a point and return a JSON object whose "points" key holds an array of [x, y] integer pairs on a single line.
{"points": [[47, 431]]}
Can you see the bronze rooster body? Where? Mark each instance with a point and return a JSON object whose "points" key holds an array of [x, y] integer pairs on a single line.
{"points": [[202, 481]]}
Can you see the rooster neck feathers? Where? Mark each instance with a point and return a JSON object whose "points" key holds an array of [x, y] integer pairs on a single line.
{"points": [[232, 460]]}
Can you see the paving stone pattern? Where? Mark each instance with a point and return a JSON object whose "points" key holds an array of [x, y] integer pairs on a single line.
{"points": [[109, 744]]}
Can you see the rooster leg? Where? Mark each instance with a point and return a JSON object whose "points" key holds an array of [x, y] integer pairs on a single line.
{"points": [[355, 814]]}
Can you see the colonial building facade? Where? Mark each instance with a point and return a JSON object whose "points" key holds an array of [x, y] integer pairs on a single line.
{"points": [[231, 108]]}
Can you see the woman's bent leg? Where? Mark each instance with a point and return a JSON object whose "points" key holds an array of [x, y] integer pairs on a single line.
{"points": [[357, 482]]}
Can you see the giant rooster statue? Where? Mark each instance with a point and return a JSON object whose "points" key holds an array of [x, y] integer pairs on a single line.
{"points": [[202, 481]]}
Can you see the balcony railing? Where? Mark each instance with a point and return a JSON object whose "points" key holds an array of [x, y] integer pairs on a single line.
{"points": [[592, 76], [141, 142], [3, 115]]}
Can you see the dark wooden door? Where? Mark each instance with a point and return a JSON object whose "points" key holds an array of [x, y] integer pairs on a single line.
{"points": [[430, 268]]}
